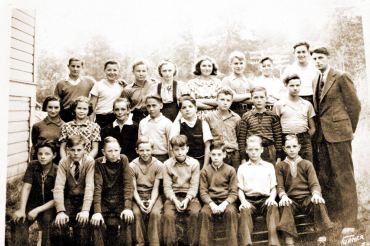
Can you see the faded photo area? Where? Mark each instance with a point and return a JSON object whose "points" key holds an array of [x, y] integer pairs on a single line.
{"points": [[45, 36]]}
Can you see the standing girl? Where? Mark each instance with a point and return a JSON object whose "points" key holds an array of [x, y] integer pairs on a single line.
{"points": [[204, 87], [81, 125], [196, 130], [104, 93], [50, 127]]}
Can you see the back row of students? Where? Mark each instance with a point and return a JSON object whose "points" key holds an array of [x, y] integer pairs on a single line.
{"points": [[125, 199]]}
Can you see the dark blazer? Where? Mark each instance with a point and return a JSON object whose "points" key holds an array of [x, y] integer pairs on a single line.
{"points": [[339, 107]]}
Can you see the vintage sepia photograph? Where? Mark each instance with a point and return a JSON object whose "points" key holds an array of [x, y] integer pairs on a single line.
{"points": [[185, 122]]}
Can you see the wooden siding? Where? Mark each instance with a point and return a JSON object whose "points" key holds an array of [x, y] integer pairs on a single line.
{"points": [[22, 90]]}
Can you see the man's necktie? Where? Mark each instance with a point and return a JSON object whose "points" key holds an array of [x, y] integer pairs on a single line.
{"points": [[321, 84], [77, 170]]}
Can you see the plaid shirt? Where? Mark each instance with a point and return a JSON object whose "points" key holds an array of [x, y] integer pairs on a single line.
{"points": [[90, 131]]}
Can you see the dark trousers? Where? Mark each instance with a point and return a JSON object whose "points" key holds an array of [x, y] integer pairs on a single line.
{"points": [[19, 231], [269, 154], [230, 217], [169, 222], [233, 159], [138, 115], [113, 232], [148, 231], [67, 115], [162, 158], [240, 108], [246, 220], [318, 211], [72, 233], [336, 177], [104, 119], [201, 161], [304, 139]]}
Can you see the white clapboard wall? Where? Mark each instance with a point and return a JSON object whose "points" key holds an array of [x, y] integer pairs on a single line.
{"points": [[22, 90]]}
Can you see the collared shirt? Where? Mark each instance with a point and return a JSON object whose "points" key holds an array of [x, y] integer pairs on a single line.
{"points": [[65, 181], [325, 74], [307, 74], [218, 184], [46, 129], [90, 131], [239, 84], [42, 186], [266, 125], [175, 128], [137, 93], [256, 179], [158, 131], [146, 174], [293, 165], [225, 129], [128, 122], [106, 93], [294, 116], [181, 177], [166, 92], [274, 87]]}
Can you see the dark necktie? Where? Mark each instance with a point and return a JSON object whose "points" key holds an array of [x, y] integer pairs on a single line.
{"points": [[77, 170], [321, 84]]}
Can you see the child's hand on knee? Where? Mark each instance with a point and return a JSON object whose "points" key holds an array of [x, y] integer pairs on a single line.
{"points": [[83, 217], [317, 198], [97, 219], [61, 219], [246, 205], [271, 202], [19, 216], [215, 209], [285, 201], [127, 215]]}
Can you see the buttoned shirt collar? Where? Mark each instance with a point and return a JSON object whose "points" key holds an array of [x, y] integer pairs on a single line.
{"points": [[104, 160], [254, 112], [217, 168], [128, 122], [73, 163], [326, 72], [186, 162], [189, 123], [232, 114], [260, 163], [156, 119], [57, 122], [51, 171]]}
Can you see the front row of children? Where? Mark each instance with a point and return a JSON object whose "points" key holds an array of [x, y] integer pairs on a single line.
{"points": [[112, 183]]}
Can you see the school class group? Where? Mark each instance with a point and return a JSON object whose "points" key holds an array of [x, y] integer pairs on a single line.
{"points": [[114, 163]]}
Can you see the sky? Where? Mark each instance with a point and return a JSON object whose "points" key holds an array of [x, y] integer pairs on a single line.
{"points": [[142, 26]]}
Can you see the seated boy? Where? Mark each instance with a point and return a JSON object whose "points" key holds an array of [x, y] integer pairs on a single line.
{"points": [[112, 196], [224, 125], [218, 190], [147, 174], [157, 127], [263, 123], [296, 116], [73, 194], [36, 201], [257, 193], [180, 183], [298, 188]]}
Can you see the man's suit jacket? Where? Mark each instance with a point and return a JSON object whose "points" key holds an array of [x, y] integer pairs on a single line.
{"points": [[339, 107]]}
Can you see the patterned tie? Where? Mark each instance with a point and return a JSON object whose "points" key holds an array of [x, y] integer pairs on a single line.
{"points": [[77, 170]]}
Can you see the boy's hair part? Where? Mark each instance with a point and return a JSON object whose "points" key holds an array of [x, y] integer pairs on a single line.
{"points": [[254, 139], [157, 98], [238, 55], [49, 99], [187, 98], [110, 139], [138, 63], [122, 99], [259, 88], [46, 143], [217, 145], [111, 62], [75, 140], [226, 91], [321, 50], [290, 77], [81, 99], [179, 140], [72, 59], [266, 59], [199, 62], [165, 62], [301, 44], [144, 140]]}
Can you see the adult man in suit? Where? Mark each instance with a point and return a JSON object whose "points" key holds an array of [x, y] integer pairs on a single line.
{"points": [[338, 109]]}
